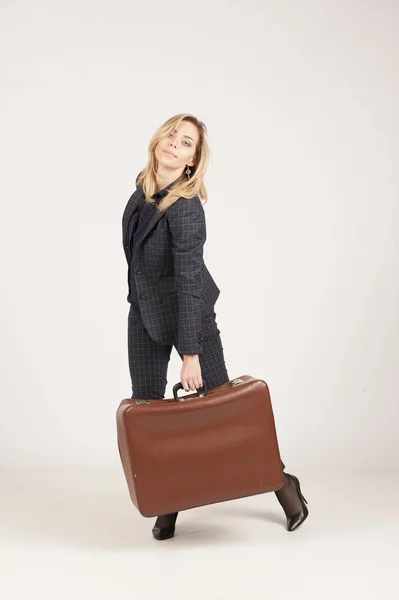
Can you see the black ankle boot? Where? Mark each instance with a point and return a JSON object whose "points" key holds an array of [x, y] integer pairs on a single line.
{"points": [[287, 501], [164, 527]]}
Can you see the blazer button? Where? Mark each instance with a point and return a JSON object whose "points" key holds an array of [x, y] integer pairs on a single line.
{"points": [[138, 271], [142, 297]]}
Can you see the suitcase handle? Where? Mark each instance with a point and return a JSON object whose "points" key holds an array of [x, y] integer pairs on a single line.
{"points": [[179, 386]]}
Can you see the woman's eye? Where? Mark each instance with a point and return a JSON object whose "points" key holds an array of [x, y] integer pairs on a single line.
{"points": [[188, 143]]}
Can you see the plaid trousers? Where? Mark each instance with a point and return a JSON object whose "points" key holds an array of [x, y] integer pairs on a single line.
{"points": [[149, 360]]}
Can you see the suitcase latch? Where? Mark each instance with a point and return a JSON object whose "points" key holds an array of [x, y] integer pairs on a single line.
{"points": [[236, 381]]}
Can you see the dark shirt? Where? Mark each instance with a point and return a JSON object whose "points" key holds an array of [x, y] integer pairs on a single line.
{"points": [[138, 223]]}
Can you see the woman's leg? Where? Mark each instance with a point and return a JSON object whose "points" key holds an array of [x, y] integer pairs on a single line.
{"points": [[148, 365], [214, 372], [148, 362]]}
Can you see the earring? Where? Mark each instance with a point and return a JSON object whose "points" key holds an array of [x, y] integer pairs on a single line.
{"points": [[188, 171]]}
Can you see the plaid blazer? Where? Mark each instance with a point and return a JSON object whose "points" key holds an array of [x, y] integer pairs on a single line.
{"points": [[174, 287]]}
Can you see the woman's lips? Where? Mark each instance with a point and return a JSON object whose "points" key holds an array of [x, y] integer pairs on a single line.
{"points": [[170, 153]]}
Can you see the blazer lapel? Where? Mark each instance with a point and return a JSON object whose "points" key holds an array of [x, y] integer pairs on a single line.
{"points": [[136, 200], [133, 204], [150, 225]]}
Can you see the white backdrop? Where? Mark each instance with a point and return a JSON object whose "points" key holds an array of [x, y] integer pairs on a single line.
{"points": [[301, 103]]}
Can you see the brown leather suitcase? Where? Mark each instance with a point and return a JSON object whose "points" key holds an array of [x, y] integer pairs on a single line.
{"points": [[200, 448]]}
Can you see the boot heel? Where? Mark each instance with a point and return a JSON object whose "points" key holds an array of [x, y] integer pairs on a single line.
{"points": [[167, 531], [297, 519]]}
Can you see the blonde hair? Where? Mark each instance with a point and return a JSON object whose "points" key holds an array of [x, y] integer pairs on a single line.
{"points": [[184, 187]]}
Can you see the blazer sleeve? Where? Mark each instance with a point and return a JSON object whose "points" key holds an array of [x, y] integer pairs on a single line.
{"points": [[186, 219]]}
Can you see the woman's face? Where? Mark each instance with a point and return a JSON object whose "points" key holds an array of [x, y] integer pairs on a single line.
{"points": [[181, 143]]}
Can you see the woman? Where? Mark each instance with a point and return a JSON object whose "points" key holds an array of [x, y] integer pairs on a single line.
{"points": [[171, 292]]}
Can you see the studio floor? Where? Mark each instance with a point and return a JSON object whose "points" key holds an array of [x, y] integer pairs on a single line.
{"points": [[75, 534]]}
